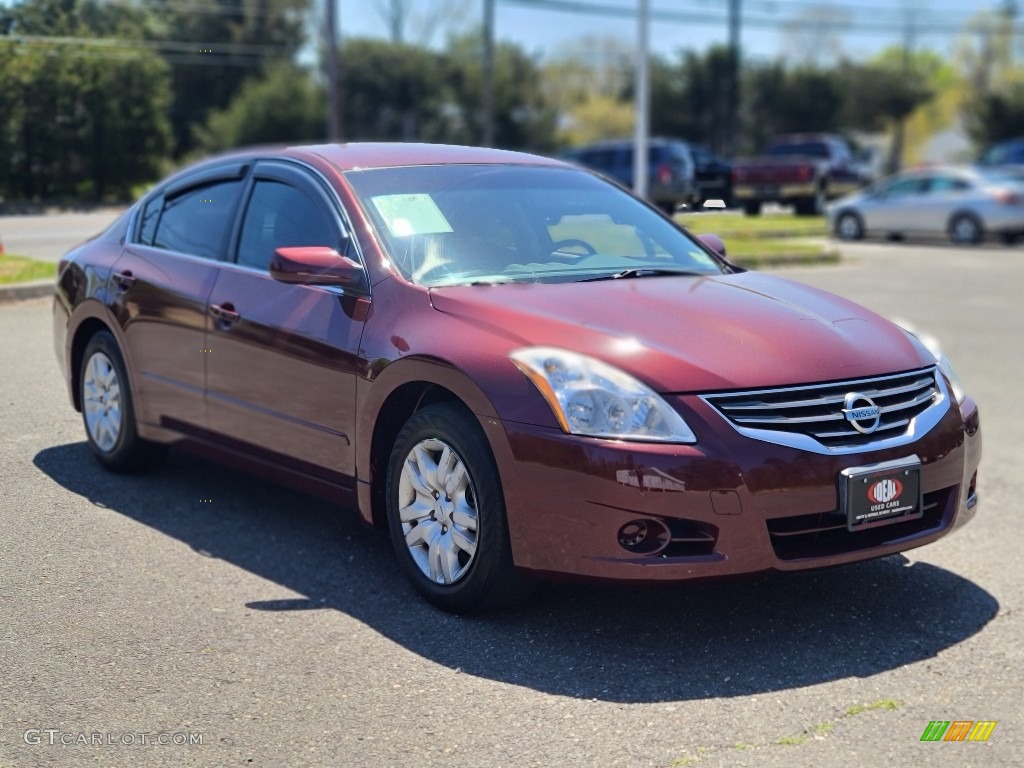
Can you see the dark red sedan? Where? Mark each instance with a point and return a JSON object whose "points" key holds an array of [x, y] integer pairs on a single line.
{"points": [[516, 367]]}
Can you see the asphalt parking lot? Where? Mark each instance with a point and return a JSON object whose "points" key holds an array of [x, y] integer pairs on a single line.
{"points": [[199, 604]]}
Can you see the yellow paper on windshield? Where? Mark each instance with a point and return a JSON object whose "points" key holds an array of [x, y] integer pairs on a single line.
{"points": [[411, 214]]}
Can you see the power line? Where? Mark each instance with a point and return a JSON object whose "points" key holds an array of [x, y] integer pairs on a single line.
{"points": [[164, 46], [718, 18]]}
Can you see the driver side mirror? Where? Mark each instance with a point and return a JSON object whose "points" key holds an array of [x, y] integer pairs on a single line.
{"points": [[714, 242], [315, 265]]}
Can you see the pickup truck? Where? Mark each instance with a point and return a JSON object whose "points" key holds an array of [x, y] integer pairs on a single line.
{"points": [[802, 170]]}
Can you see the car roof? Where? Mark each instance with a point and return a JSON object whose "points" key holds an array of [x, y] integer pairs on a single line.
{"points": [[356, 155], [362, 155]]}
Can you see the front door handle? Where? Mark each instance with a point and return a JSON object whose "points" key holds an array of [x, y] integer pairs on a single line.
{"points": [[225, 312]]}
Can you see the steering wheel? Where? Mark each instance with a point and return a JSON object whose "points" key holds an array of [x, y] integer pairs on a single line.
{"points": [[573, 242]]}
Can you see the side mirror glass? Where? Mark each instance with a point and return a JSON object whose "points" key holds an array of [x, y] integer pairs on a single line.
{"points": [[315, 265]]}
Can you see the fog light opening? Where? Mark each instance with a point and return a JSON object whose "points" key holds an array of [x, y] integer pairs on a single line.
{"points": [[644, 537]]}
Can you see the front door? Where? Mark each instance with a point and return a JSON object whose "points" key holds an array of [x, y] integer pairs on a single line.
{"points": [[283, 362]]}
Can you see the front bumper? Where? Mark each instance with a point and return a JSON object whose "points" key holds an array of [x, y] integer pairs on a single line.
{"points": [[728, 505]]}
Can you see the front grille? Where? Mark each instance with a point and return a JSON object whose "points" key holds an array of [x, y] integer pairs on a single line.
{"points": [[816, 410], [824, 534]]}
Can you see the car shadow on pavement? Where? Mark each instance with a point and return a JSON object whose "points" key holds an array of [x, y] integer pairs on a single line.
{"points": [[613, 644]]}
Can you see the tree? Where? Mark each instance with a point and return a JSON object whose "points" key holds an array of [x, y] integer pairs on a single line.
{"points": [[994, 117], [780, 100], [240, 38], [284, 105], [420, 22], [523, 119], [690, 98], [394, 92], [994, 108], [76, 120]]}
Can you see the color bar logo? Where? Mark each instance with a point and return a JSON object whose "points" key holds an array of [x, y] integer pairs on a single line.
{"points": [[958, 730]]}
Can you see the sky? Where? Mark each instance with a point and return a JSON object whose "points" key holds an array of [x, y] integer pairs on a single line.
{"points": [[855, 28]]}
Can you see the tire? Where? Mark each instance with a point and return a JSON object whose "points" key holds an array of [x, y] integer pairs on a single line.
{"points": [[107, 410], [811, 206], [849, 226], [966, 229], [1010, 238], [462, 561], [752, 207]]}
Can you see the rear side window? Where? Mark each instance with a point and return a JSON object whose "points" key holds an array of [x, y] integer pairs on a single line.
{"points": [[947, 184], [281, 216], [197, 221]]}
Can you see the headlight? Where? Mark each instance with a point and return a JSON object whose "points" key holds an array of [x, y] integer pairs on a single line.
{"points": [[932, 345], [592, 398]]}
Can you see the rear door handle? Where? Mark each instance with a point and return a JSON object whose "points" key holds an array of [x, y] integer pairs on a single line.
{"points": [[124, 279], [224, 312]]}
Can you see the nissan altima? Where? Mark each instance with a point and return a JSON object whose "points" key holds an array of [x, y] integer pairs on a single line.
{"points": [[966, 204], [515, 367]]}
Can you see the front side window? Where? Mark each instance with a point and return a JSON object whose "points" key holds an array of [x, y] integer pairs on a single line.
{"points": [[904, 187], [281, 216], [457, 224], [197, 220]]}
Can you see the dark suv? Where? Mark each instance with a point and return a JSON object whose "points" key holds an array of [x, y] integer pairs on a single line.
{"points": [[671, 168]]}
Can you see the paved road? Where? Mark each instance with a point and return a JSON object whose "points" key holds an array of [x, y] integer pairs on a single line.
{"points": [[47, 237], [279, 631]]}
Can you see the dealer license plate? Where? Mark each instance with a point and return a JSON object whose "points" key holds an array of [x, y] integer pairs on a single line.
{"points": [[881, 494]]}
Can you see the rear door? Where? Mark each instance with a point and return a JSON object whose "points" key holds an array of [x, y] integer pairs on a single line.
{"points": [[898, 208], [161, 284], [944, 194], [284, 358]]}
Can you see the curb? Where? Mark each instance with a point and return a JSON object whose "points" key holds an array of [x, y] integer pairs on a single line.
{"points": [[787, 260], [37, 289]]}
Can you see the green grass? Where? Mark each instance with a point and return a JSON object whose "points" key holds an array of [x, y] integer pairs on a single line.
{"points": [[819, 731], [755, 254], [21, 269], [791, 741], [738, 226], [859, 709], [763, 241]]}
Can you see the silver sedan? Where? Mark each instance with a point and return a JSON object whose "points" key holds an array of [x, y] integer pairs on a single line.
{"points": [[964, 204]]}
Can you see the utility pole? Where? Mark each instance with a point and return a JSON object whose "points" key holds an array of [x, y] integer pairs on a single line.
{"points": [[488, 95], [641, 98], [333, 80], [735, 16], [900, 129]]}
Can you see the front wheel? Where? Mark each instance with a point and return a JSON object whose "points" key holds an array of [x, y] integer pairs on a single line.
{"points": [[752, 207], [849, 226], [446, 513], [107, 409]]}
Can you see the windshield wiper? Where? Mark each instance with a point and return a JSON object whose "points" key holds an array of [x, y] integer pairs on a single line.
{"points": [[645, 272]]}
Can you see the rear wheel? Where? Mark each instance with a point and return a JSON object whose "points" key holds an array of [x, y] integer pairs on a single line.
{"points": [[446, 513], [811, 206], [107, 409], [965, 229], [752, 207]]}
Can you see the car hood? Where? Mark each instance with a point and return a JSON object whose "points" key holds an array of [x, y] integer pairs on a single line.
{"points": [[693, 334]]}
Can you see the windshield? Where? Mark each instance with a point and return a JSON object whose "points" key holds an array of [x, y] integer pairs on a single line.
{"points": [[457, 224]]}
